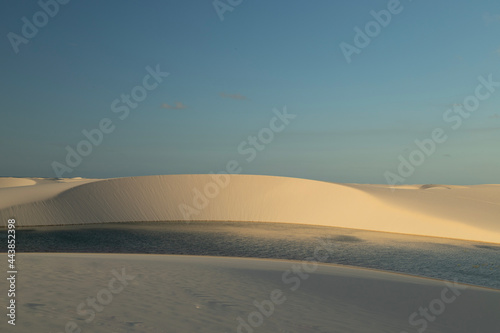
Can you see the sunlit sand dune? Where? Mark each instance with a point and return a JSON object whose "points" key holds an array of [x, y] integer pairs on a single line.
{"points": [[155, 293], [16, 191], [15, 182], [463, 212]]}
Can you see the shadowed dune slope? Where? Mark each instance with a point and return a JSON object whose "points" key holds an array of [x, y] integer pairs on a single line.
{"points": [[208, 294]]}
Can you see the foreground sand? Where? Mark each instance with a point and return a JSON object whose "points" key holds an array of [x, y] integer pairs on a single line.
{"points": [[463, 212], [208, 294]]}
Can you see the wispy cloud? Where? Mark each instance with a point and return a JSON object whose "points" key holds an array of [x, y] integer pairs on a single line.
{"points": [[489, 18], [177, 106], [495, 116], [233, 96]]}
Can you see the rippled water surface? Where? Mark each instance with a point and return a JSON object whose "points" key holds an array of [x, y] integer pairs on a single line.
{"points": [[468, 262]]}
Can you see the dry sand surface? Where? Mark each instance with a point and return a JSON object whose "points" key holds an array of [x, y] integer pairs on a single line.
{"points": [[163, 293], [463, 212]]}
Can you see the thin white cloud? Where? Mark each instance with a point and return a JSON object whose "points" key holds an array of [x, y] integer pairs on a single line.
{"points": [[177, 106]]}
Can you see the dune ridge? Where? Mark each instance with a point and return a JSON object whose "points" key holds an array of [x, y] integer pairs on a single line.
{"points": [[462, 212]]}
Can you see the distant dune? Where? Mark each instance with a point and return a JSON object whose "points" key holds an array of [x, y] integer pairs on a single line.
{"points": [[463, 212], [15, 182]]}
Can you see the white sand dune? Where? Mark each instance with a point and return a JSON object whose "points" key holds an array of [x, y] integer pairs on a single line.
{"points": [[463, 212], [207, 294], [15, 182], [17, 191]]}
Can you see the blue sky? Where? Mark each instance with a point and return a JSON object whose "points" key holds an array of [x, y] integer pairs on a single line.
{"points": [[353, 120]]}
